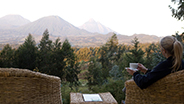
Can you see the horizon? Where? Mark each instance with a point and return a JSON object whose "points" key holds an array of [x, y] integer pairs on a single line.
{"points": [[124, 17]]}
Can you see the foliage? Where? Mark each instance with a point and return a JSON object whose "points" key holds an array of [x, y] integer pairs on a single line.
{"points": [[7, 57], [85, 53], [157, 56], [105, 62], [94, 75], [115, 73], [114, 87], [133, 55], [119, 55], [178, 12], [65, 91], [44, 53], [149, 56], [57, 60], [53, 58], [108, 56], [180, 38], [26, 54], [71, 69]]}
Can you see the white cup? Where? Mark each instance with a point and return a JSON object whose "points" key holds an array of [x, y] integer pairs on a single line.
{"points": [[133, 65]]}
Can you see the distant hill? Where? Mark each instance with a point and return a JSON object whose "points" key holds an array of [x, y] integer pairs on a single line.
{"points": [[95, 27], [143, 38], [12, 21], [56, 26], [100, 39]]}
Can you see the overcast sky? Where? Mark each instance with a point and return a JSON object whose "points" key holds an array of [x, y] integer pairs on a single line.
{"points": [[152, 17]]}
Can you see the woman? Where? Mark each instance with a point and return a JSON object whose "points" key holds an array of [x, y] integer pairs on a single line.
{"points": [[172, 49]]}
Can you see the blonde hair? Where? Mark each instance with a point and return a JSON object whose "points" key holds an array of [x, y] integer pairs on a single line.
{"points": [[175, 48]]}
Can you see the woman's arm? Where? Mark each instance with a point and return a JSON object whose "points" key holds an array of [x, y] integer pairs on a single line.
{"points": [[160, 71]]}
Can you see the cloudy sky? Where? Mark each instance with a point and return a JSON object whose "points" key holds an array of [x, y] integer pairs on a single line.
{"points": [[152, 17]]}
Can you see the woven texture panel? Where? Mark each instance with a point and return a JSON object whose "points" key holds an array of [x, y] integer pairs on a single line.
{"points": [[22, 86], [168, 90], [77, 98]]}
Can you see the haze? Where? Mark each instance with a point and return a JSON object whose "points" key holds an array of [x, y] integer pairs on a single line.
{"points": [[126, 17]]}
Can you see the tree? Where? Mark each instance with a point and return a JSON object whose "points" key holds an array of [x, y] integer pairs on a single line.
{"points": [[26, 54], [44, 54], [157, 56], [135, 55], [108, 56], [116, 73], [112, 47], [7, 57], [84, 53], [105, 62], [119, 55], [71, 65], [94, 75], [57, 59], [149, 56], [180, 38], [178, 12]]}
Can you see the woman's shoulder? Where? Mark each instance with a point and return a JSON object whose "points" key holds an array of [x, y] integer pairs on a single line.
{"points": [[182, 65], [182, 62], [166, 61], [163, 65]]}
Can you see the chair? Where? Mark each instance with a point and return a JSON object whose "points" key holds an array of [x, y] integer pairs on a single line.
{"points": [[168, 90], [22, 86]]}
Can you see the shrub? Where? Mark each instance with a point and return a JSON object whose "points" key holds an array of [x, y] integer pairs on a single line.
{"points": [[114, 87]]}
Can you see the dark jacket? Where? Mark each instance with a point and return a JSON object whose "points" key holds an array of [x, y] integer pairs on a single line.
{"points": [[161, 70]]}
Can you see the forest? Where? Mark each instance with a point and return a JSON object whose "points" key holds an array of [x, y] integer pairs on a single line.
{"points": [[87, 69]]}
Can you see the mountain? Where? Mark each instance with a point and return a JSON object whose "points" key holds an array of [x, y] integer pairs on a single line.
{"points": [[12, 21], [56, 26], [95, 27]]}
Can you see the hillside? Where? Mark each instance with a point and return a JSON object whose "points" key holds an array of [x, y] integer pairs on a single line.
{"points": [[56, 26], [100, 39], [95, 27], [12, 21]]}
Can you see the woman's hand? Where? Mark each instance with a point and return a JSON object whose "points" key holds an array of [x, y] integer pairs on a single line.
{"points": [[142, 68], [130, 71]]}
